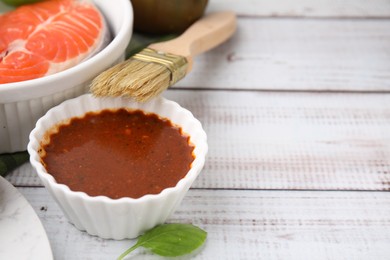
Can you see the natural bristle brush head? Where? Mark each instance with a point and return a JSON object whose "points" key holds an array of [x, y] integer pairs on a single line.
{"points": [[143, 76]]}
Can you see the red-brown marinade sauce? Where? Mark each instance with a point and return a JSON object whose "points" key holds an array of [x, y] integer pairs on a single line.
{"points": [[118, 154]]}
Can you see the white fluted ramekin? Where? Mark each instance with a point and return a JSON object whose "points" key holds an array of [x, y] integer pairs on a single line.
{"points": [[125, 217], [22, 103]]}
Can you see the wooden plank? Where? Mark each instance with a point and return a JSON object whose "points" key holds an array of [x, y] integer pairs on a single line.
{"points": [[305, 8], [250, 225], [268, 140], [291, 54], [293, 140]]}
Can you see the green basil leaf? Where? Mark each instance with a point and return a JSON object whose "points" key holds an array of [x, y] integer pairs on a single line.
{"points": [[10, 161], [20, 2], [171, 240]]}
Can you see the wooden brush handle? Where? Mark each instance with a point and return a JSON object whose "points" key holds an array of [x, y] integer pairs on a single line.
{"points": [[206, 33]]}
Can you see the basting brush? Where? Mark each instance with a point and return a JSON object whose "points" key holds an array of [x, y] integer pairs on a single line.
{"points": [[148, 73]]}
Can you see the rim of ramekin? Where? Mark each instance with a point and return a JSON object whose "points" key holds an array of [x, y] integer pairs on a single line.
{"points": [[196, 166]]}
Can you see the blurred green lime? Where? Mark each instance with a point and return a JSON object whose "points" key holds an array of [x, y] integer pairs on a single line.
{"points": [[168, 16], [19, 2]]}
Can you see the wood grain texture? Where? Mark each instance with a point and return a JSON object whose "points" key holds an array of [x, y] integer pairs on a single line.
{"points": [[261, 140], [305, 8], [266, 140], [304, 55], [249, 225]]}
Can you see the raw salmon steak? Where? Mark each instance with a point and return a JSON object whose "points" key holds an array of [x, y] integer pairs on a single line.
{"points": [[47, 37]]}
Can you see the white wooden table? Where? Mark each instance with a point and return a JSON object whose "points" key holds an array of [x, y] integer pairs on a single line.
{"points": [[297, 111]]}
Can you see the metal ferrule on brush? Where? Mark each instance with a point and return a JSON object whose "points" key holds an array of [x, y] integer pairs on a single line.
{"points": [[176, 64]]}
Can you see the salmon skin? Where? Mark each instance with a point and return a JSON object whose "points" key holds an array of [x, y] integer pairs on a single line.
{"points": [[48, 37]]}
